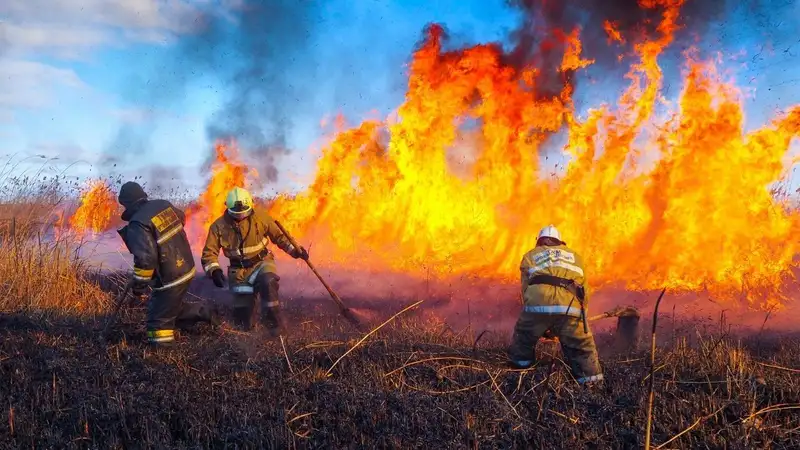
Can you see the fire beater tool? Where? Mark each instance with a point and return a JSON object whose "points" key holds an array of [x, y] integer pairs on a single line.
{"points": [[627, 324], [344, 310]]}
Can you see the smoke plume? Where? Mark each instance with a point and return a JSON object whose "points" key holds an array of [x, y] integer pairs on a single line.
{"points": [[254, 50], [258, 59], [538, 40]]}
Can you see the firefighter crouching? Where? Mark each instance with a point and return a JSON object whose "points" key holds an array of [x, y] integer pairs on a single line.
{"points": [[553, 287], [243, 233], [162, 259]]}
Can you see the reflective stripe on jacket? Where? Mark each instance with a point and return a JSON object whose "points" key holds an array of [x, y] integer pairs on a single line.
{"points": [[559, 261], [244, 242], [158, 242]]}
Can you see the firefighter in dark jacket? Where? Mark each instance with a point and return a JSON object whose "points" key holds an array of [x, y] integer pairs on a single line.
{"points": [[242, 233], [163, 261]]}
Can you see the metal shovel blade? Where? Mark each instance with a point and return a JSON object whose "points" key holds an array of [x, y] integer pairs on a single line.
{"points": [[627, 333]]}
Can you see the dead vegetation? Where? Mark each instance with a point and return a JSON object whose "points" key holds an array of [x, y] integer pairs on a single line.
{"points": [[413, 383], [42, 272]]}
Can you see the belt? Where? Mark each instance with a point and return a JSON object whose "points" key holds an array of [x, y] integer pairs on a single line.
{"points": [[570, 285], [250, 262], [577, 290]]}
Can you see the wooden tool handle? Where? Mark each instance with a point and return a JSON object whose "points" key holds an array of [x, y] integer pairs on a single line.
{"points": [[313, 269]]}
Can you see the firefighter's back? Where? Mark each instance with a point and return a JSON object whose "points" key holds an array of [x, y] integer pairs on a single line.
{"points": [[166, 222], [557, 261]]}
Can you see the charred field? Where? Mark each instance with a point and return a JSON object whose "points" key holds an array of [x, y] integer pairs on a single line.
{"points": [[415, 382]]}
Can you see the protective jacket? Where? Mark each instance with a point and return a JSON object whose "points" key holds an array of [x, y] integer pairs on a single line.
{"points": [[553, 281], [156, 238], [539, 269], [244, 243]]}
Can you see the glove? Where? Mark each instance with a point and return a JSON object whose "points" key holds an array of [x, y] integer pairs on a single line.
{"points": [[139, 289], [300, 253], [218, 277]]}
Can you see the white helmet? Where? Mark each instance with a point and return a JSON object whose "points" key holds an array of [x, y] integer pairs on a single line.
{"points": [[549, 231]]}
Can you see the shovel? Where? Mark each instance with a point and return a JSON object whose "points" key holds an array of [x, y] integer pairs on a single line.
{"points": [[627, 325], [344, 310]]}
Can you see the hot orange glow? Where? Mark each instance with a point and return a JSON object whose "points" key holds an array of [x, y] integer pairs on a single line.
{"points": [[227, 172], [459, 181], [97, 204], [679, 200], [612, 32], [572, 56]]}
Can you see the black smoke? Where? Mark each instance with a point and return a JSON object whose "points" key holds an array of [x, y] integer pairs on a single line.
{"points": [[258, 57], [253, 50], [536, 41]]}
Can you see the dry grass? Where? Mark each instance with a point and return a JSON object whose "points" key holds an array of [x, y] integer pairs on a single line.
{"points": [[413, 383], [408, 385], [39, 263]]}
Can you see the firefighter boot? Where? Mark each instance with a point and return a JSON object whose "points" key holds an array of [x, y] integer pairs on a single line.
{"points": [[271, 317], [243, 311]]}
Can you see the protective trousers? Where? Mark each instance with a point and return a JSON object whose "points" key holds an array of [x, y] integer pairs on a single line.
{"points": [[167, 311], [266, 287], [578, 347]]}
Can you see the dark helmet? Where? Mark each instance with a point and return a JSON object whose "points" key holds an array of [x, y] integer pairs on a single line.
{"points": [[130, 195]]}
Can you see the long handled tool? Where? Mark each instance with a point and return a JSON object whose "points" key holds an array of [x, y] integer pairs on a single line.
{"points": [[627, 325], [344, 310], [121, 298]]}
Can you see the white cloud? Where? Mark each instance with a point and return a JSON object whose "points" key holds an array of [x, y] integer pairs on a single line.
{"points": [[57, 40], [71, 30], [28, 84], [67, 28], [133, 115]]}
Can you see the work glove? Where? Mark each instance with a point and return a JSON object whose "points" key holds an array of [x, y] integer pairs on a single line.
{"points": [[139, 289], [300, 253], [218, 277]]}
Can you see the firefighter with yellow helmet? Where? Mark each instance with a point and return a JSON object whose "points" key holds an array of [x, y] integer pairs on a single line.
{"points": [[554, 290], [242, 233]]}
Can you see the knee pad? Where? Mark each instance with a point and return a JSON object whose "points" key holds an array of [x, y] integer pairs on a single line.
{"points": [[267, 285], [268, 279]]}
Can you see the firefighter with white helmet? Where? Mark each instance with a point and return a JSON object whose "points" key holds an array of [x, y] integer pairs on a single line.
{"points": [[242, 233], [554, 289]]}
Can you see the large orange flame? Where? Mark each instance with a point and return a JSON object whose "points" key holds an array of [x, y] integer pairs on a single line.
{"points": [[227, 172], [698, 216], [97, 204], [455, 185]]}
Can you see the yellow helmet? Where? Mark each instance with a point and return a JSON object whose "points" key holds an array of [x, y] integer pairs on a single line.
{"points": [[239, 203]]}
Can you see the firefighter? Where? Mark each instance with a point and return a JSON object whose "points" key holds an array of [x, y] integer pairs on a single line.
{"points": [[163, 261], [554, 291], [243, 233]]}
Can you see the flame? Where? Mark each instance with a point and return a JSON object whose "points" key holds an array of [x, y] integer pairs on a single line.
{"points": [[572, 56], [613, 33], [679, 199], [97, 204], [227, 172], [653, 193]]}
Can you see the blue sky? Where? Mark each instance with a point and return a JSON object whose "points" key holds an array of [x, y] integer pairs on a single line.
{"points": [[73, 73]]}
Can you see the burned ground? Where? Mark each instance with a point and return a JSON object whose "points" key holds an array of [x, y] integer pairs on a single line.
{"points": [[414, 383], [422, 380]]}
